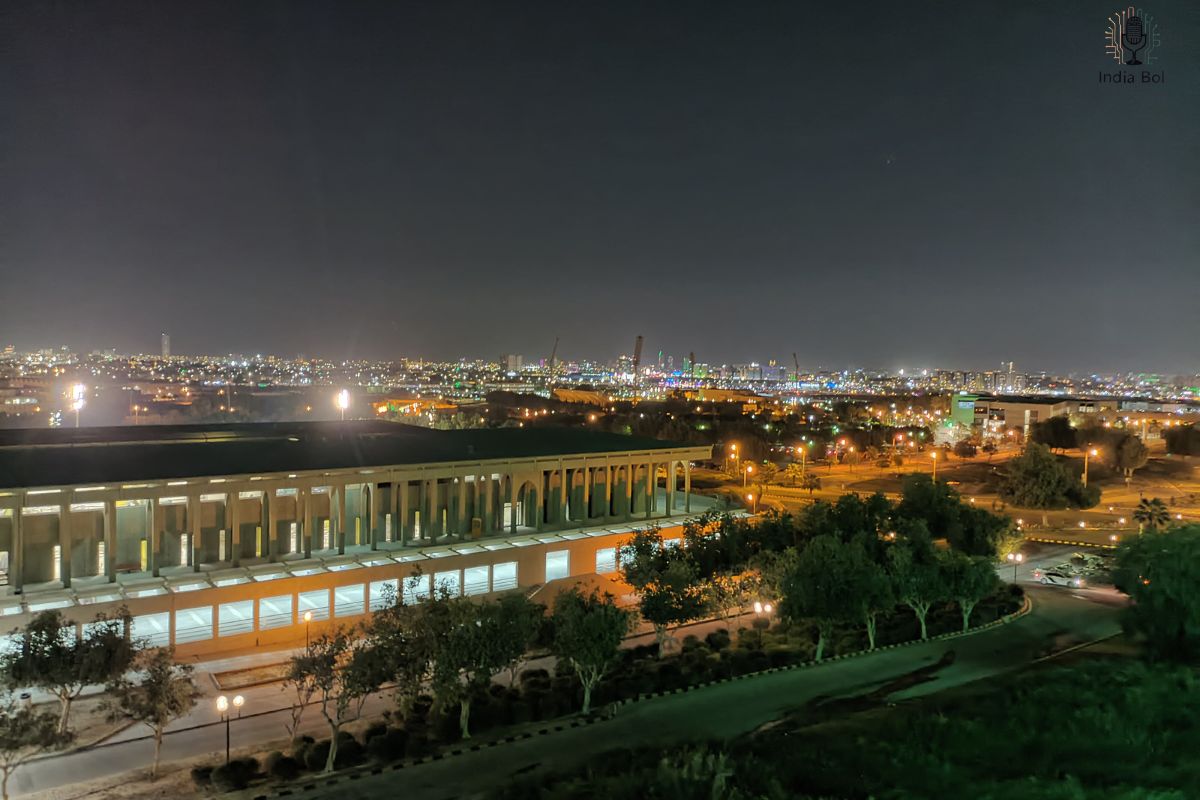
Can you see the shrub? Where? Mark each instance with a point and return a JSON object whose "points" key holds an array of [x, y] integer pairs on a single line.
{"points": [[235, 775], [417, 746], [316, 754], [284, 768], [349, 753], [373, 730], [202, 776], [718, 640], [389, 746]]}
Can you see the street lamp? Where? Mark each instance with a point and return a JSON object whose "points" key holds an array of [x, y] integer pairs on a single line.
{"points": [[753, 504], [78, 392], [749, 468], [223, 708], [933, 456], [1015, 558], [343, 402], [307, 621], [1091, 451]]}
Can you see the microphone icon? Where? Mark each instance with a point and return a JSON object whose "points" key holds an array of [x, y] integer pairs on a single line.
{"points": [[1133, 39]]}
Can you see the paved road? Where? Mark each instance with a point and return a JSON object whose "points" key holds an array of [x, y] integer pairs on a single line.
{"points": [[1060, 619]]}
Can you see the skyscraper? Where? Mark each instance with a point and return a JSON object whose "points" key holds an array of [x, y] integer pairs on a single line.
{"points": [[166, 344]]}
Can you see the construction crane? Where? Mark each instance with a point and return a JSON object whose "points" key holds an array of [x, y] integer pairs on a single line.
{"points": [[796, 362], [637, 356], [692, 364], [553, 353]]}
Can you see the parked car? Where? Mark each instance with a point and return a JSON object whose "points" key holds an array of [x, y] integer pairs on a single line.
{"points": [[1058, 577]]}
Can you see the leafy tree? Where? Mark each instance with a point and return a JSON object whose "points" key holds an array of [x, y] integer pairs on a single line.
{"points": [[675, 598], [405, 643], [764, 475], [918, 580], [875, 593], [1183, 441], [810, 483], [51, 657], [1055, 433], [822, 586], [1127, 454], [1152, 514], [964, 449], [474, 641], [161, 692], [1035, 479], [342, 670], [793, 472], [1160, 574], [968, 580], [25, 733], [643, 558], [587, 634], [982, 533]]}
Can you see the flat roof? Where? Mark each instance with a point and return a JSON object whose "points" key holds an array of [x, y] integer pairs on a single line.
{"points": [[68, 456]]}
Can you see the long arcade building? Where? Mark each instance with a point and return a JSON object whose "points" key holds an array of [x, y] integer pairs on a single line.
{"points": [[224, 537]]}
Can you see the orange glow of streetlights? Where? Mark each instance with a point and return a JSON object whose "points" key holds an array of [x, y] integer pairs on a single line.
{"points": [[342, 401]]}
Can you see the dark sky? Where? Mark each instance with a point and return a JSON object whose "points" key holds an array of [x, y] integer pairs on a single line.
{"points": [[877, 184]]}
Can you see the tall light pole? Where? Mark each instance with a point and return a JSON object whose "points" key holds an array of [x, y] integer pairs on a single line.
{"points": [[343, 402], [307, 622], [223, 708], [1015, 559], [933, 455], [1091, 451], [753, 503], [749, 468], [78, 393]]}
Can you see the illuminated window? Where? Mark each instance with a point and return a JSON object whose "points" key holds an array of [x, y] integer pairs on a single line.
{"points": [[558, 565], [448, 582], [504, 576], [383, 593], [235, 618], [316, 602], [348, 600], [606, 560], [153, 629], [193, 624], [275, 612], [475, 580]]}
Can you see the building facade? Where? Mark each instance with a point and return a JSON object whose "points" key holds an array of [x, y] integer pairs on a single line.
{"points": [[219, 538]]}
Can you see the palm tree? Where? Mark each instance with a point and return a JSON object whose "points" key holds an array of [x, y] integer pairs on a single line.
{"points": [[811, 483], [1151, 514]]}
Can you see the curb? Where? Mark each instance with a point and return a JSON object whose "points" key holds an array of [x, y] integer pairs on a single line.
{"points": [[356, 773], [1074, 543]]}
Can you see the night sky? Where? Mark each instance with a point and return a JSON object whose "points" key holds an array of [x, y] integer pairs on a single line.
{"points": [[873, 184]]}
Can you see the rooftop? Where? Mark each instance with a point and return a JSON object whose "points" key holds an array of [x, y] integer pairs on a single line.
{"points": [[69, 456]]}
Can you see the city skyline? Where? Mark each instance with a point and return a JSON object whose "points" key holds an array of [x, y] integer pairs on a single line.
{"points": [[300, 180]]}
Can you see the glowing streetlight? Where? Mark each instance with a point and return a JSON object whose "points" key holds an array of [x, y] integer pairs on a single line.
{"points": [[223, 709], [78, 395], [933, 456], [1091, 451], [1015, 559], [753, 503], [307, 621], [343, 402], [749, 468]]}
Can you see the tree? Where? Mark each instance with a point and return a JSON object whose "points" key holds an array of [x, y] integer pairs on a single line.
{"points": [[162, 692], [587, 634], [1160, 574], [1055, 433], [1183, 441], [968, 580], [473, 642], [811, 483], [675, 598], [793, 472], [341, 670], [402, 637], [25, 732], [1127, 454], [821, 586], [1151, 514], [918, 581], [874, 593], [764, 476], [1035, 479], [964, 449], [51, 657]]}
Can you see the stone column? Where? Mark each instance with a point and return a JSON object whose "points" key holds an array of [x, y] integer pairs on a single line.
{"points": [[650, 480], [687, 488], [402, 523], [270, 505], [670, 488], [422, 509], [587, 495], [305, 512], [110, 540], [194, 523], [155, 534], [394, 510], [489, 506], [64, 542], [512, 503], [234, 521], [563, 488], [373, 525], [608, 489], [464, 524], [435, 512], [343, 518], [17, 561], [629, 472]]}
